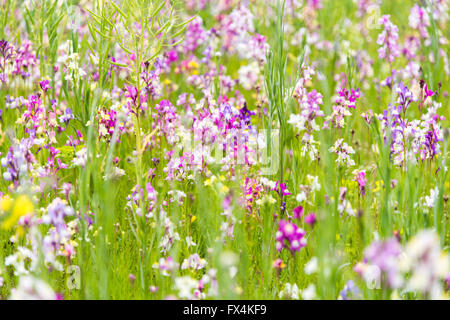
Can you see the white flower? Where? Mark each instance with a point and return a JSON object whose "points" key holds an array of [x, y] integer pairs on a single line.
{"points": [[228, 258], [31, 288], [311, 266], [431, 199], [114, 174], [248, 75], [189, 242], [194, 262], [301, 197], [309, 293], [233, 271], [290, 291], [314, 182], [80, 157], [426, 263], [185, 286]]}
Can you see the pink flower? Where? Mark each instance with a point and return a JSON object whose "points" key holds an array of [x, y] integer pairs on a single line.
{"points": [[388, 40]]}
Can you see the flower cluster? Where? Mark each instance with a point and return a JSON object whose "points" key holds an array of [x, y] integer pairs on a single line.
{"points": [[343, 152], [388, 40], [309, 103], [290, 236]]}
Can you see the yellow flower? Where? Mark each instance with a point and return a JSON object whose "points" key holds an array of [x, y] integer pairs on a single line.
{"points": [[22, 206], [193, 66], [210, 181], [20, 232], [379, 184], [5, 203]]}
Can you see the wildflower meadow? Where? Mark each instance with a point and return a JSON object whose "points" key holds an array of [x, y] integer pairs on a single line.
{"points": [[224, 149]]}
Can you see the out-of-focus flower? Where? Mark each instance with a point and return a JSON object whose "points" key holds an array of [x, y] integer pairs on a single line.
{"points": [[20, 207], [290, 236], [31, 288], [360, 177], [298, 212], [309, 293], [45, 85], [388, 40], [426, 264], [350, 292], [311, 219], [290, 291], [278, 264], [185, 286], [384, 255], [419, 19], [312, 265], [194, 262]]}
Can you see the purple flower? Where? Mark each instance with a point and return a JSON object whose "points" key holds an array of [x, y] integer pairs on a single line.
{"points": [[17, 161], [68, 115], [350, 291], [6, 53], [384, 254], [405, 97], [57, 211], [5, 49], [419, 19]]}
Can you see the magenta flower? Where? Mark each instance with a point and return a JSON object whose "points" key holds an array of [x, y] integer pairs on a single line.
{"points": [[349, 97], [311, 219], [298, 212], [45, 85], [281, 189], [361, 179], [290, 236]]}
